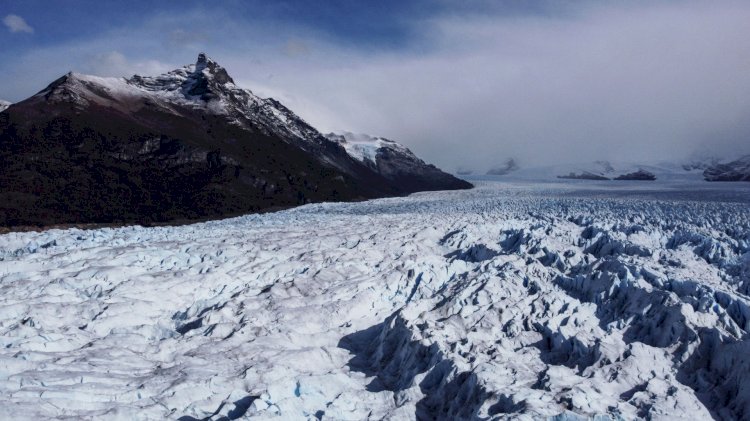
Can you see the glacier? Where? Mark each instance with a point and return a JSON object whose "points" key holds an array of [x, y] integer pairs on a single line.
{"points": [[514, 300]]}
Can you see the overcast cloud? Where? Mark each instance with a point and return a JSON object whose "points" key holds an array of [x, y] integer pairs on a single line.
{"points": [[641, 81]]}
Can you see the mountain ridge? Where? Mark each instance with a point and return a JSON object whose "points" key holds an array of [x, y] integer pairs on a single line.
{"points": [[394, 161], [737, 170], [185, 145]]}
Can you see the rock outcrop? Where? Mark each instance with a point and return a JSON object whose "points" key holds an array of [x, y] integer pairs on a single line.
{"points": [[640, 175], [738, 170]]}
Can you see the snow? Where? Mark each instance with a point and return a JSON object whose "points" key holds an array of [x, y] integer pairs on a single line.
{"points": [[4, 105], [364, 147], [240, 106], [114, 85], [513, 300]]}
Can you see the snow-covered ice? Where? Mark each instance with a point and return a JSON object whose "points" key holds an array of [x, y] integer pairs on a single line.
{"points": [[514, 300]]}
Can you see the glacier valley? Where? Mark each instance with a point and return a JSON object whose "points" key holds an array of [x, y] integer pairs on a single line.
{"points": [[515, 300]]}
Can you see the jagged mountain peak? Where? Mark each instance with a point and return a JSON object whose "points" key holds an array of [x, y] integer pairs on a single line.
{"points": [[203, 59], [207, 68], [205, 79], [204, 85]]}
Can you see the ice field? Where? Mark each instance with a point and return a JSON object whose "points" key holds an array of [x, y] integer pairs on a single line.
{"points": [[514, 300]]}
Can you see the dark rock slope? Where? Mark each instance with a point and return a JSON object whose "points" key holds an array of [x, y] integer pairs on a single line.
{"points": [[583, 176], [640, 175], [738, 170], [396, 163], [185, 145]]}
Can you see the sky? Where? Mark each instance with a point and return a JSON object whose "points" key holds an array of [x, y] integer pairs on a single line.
{"points": [[462, 83]]}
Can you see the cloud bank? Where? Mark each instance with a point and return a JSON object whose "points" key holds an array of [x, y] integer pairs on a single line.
{"points": [[640, 81]]}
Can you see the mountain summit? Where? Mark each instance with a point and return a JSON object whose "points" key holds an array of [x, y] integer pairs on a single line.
{"points": [[183, 145], [205, 79]]}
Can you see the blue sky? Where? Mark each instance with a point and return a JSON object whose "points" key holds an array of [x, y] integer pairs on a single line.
{"points": [[170, 31], [366, 24], [534, 80]]}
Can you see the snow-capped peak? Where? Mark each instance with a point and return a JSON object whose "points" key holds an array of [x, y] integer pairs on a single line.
{"points": [[4, 105], [205, 80], [82, 90], [208, 85], [211, 69], [208, 69], [204, 85], [203, 61]]}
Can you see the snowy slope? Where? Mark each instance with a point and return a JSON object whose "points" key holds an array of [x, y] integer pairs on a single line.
{"points": [[395, 162], [4, 105], [513, 300], [737, 170], [365, 148], [206, 84]]}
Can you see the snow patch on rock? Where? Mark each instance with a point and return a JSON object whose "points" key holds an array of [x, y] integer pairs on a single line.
{"points": [[364, 147]]}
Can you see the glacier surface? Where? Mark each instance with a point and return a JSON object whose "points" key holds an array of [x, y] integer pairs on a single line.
{"points": [[515, 300]]}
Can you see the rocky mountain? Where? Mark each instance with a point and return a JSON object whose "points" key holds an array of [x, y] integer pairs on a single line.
{"points": [[583, 176], [597, 170], [4, 105], [606, 170], [184, 145], [640, 175], [396, 162], [738, 170], [699, 164]]}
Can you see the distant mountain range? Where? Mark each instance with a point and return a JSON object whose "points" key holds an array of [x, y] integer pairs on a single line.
{"points": [[709, 169], [185, 145], [738, 170]]}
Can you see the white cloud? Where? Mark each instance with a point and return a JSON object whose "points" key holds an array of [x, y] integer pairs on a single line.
{"points": [[114, 63], [628, 81], [617, 82], [15, 23]]}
